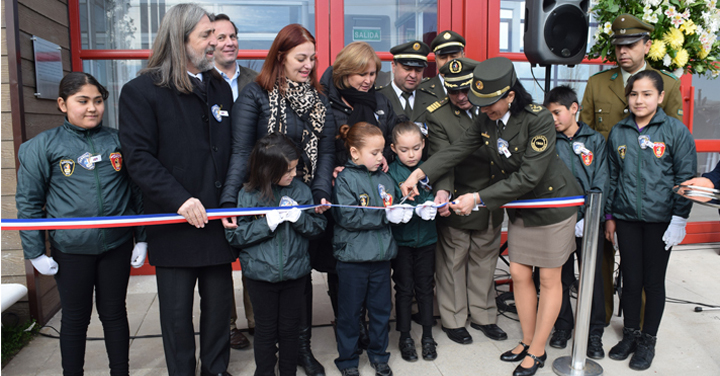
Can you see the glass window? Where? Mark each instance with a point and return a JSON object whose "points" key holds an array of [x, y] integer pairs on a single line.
{"points": [[132, 24], [384, 24], [559, 75], [706, 122], [113, 74]]}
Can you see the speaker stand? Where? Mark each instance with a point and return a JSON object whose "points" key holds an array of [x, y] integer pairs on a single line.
{"points": [[548, 71]]}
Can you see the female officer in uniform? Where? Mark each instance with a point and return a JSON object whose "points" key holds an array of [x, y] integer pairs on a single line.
{"points": [[518, 137]]}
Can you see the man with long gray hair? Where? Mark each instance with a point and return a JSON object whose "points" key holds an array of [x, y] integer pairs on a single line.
{"points": [[175, 133]]}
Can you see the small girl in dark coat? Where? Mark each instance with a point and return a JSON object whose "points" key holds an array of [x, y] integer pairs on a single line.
{"points": [[274, 250]]}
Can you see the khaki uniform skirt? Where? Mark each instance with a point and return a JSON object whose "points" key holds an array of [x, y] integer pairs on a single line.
{"points": [[542, 246]]}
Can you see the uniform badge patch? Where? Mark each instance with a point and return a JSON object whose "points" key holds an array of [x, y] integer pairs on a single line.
{"points": [[535, 108], [116, 161], [364, 199], [416, 46], [659, 149], [479, 85], [84, 160], [455, 67], [386, 197], [539, 143], [67, 166], [621, 151], [587, 158], [484, 134]]}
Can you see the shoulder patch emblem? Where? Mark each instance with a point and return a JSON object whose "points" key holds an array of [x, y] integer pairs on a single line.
{"points": [[614, 76], [435, 105], [67, 166], [535, 108], [680, 112], [587, 158], [539, 143], [621, 151], [659, 149], [364, 199], [116, 161]]}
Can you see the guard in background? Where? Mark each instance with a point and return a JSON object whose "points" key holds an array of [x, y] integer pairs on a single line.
{"points": [[410, 60], [468, 247], [447, 45]]}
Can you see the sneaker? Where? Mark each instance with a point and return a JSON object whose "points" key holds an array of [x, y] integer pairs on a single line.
{"points": [[352, 371], [626, 346], [595, 347], [382, 369], [644, 352], [560, 338]]}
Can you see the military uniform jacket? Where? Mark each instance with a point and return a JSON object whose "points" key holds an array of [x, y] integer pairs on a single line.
{"points": [[533, 170], [604, 103], [423, 99], [175, 149], [590, 169], [57, 179], [280, 255], [447, 124], [434, 87], [641, 180], [362, 235]]}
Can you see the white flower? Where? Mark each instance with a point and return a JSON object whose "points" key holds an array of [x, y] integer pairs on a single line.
{"points": [[667, 60], [712, 4], [652, 19], [596, 36], [607, 28]]}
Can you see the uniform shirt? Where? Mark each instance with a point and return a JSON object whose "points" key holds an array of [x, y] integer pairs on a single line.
{"points": [[399, 92]]}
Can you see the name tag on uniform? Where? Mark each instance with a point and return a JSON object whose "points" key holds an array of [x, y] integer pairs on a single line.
{"points": [[95, 158], [503, 149]]}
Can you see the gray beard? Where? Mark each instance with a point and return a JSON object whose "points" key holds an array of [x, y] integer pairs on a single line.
{"points": [[200, 62]]}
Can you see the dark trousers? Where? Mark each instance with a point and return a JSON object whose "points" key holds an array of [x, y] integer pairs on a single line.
{"points": [[565, 320], [413, 273], [369, 283], [107, 275], [643, 263], [175, 293], [277, 316]]}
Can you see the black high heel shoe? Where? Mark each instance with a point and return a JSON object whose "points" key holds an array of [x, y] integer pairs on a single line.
{"points": [[538, 362], [509, 356]]}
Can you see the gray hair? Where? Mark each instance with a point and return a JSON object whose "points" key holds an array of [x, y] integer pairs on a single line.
{"points": [[169, 57]]}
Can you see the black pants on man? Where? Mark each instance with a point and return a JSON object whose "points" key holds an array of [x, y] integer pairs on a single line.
{"points": [[175, 293]]}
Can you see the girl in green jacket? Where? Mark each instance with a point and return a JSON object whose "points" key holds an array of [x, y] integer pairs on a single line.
{"points": [[274, 253], [649, 153]]}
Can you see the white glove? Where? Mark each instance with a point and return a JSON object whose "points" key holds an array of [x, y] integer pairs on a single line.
{"points": [[394, 214], [293, 215], [675, 232], [426, 210], [45, 265], [274, 218], [138, 254], [579, 227], [407, 212]]}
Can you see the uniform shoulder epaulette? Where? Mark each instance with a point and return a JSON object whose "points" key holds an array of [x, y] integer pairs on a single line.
{"points": [[378, 87], [669, 74], [534, 108], [425, 79], [437, 104]]}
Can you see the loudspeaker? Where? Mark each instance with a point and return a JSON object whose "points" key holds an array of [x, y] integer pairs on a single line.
{"points": [[556, 32]]}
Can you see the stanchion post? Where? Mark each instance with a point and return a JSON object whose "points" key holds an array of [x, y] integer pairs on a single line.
{"points": [[578, 364]]}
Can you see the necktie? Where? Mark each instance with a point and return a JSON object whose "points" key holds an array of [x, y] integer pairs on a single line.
{"points": [[407, 109], [500, 126]]}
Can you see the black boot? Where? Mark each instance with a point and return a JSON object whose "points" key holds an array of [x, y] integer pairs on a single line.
{"points": [[626, 346], [644, 353], [305, 357]]}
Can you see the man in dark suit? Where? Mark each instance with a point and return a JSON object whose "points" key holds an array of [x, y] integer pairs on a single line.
{"points": [[237, 77], [175, 129]]}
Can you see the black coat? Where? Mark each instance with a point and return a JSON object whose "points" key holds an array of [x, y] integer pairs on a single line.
{"points": [[385, 114], [251, 113], [175, 149]]}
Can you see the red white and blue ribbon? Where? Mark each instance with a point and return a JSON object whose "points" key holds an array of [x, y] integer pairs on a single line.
{"points": [[164, 219]]}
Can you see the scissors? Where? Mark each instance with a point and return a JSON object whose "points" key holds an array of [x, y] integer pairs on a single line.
{"points": [[404, 198]]}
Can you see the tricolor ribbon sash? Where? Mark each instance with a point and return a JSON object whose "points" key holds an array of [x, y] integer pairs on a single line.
{"points": [[164, 219]]}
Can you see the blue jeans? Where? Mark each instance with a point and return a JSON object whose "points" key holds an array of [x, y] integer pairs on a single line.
{"points": [[369, 283]]}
